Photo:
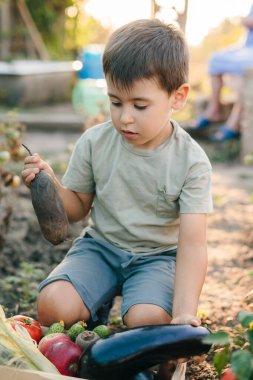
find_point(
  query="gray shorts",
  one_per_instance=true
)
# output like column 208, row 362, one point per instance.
column 99, row 272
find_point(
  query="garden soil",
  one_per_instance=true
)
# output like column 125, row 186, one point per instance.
column 26, row 257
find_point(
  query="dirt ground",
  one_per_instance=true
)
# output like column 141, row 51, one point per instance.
column 230, row 246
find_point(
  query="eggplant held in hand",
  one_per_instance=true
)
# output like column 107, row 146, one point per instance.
column 125, row 354
column 49, row 208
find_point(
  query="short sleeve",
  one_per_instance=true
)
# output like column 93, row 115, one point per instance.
column 79, row 174
column 196, row 195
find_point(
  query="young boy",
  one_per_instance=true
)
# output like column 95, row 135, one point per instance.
column 147, row 185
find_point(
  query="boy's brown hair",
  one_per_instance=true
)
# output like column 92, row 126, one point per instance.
column 147, row 49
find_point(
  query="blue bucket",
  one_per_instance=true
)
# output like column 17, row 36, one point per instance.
column 91, row 59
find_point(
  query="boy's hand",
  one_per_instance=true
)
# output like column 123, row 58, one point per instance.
column 186, row 319
column 192, row 320
column 32, row 166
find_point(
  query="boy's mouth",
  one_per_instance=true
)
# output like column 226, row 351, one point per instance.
column 129, row 134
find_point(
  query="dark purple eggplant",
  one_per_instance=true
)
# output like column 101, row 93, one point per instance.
column 48, row 207
column 129, row 352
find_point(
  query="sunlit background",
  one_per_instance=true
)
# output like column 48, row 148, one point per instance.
column 71, row 34
column 202, row 14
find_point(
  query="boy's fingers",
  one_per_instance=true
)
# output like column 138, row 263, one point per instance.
column 28, row 175
column 29, row 179
column 34, row 158
column 195, row 322
column 31, row 170
column 30, row 166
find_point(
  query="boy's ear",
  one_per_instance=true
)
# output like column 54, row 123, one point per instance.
column 180, row 96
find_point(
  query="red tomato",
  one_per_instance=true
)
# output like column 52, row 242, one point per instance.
column 228, row 375
column 31, row 325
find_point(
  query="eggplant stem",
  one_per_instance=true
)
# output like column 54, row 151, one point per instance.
column 28, row 150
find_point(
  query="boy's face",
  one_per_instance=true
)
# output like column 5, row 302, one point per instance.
column 142, row 114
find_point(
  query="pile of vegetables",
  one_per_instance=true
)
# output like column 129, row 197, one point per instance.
column 18, row 349
column 65, row 347
column 80, row 352
column 24, row 343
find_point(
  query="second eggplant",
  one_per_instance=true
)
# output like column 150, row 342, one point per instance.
column 125, row 354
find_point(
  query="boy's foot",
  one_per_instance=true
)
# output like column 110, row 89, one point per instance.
column 225, row 134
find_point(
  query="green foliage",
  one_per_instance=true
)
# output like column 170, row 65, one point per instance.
column 22, row 287
column 223, row 152
column 28, row 277
column 65, row 26
column 219, row 338
column 221, row 359
column 11, row 151
column 236, row 350
column 46, row 13
column 49, row 17
column 242, row 364
column 245, row 318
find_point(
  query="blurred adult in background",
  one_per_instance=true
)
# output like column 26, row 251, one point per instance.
column 231, row 61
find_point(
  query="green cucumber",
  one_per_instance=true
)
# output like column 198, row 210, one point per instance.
column 56, row 327
column 76, row 329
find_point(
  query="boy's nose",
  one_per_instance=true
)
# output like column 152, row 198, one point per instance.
column 126, row 116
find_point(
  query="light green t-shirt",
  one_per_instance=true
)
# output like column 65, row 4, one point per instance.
column 139, row 193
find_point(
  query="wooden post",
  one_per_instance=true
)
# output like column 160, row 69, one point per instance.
column 247, row 115
column 154, row 8
column 32, row 29
column 5, row 30
column 181, row 16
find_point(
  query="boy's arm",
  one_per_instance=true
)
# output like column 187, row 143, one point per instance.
column 190, row 268
column 76, row 205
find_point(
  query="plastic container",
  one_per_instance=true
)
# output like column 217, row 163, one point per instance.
column 91, row 59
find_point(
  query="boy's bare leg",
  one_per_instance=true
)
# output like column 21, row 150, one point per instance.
column 212, row 111
column 60, row 301
column 147, row 314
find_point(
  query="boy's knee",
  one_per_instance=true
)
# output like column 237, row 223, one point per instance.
column 146, row 314
column 60, row 301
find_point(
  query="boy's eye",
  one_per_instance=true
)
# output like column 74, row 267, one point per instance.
column 140, row 107
column 116, row 104
column 119, row 104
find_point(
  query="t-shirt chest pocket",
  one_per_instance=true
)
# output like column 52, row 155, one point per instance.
column 167, row 204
